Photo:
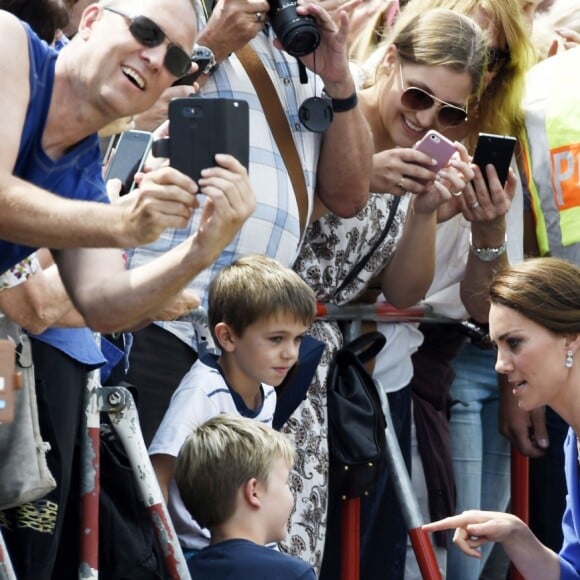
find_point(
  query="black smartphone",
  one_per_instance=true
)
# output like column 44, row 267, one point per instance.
column 497, row 150
column 128, row 157
column 201, row 127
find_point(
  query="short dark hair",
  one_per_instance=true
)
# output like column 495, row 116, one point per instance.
column 45, row 17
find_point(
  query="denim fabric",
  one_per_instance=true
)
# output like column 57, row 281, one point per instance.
column 481, row 455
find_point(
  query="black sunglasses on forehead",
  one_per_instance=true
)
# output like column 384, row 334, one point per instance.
column 149, row 34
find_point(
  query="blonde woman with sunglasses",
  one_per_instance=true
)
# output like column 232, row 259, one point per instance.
column 416, row 82
column 438, row 87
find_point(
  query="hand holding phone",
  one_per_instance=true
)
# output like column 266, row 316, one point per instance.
column 496, row 150
column 438, row 147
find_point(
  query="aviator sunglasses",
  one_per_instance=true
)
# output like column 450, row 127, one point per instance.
column 417, row 99
column 148, row 34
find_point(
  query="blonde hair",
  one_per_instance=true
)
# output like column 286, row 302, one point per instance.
column 256, row 287
column 372, row 33
column 499, row 107
column 436, row 37
column 562, row 14
column 219, row 457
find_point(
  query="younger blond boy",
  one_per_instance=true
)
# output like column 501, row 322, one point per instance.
column 232, row 474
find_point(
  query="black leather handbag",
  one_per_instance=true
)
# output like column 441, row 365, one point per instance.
column 356, row 424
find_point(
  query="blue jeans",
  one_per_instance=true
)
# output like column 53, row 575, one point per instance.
column 481, row 455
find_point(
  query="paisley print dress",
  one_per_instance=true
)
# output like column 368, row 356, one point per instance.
column 331, row 249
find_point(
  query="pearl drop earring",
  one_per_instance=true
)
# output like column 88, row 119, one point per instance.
column 569, row 360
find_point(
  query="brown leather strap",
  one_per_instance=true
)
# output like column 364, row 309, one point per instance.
column 278, row 125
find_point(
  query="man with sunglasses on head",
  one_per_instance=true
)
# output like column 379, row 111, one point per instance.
column 52, row 195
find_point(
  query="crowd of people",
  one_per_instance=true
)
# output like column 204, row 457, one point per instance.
column 364, row 217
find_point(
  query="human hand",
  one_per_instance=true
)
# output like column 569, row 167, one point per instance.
column 335, row 6
column 232, row 24
column 230, row 201
column 330, row 59
column 150, row 119
column 568, row 39
column 400, row 170
column 526, row 430
column 475, row 528
column 180, row 305
column 485, row 206
column 164, row 198
column 443, row 195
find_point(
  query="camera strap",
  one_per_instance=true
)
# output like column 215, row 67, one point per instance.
column 279, row 126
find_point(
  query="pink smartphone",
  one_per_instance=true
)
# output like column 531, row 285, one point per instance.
column 437, row 147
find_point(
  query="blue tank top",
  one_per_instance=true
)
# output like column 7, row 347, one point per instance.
column 76, row 175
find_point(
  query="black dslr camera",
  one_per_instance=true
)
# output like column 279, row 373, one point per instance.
column 299, row 35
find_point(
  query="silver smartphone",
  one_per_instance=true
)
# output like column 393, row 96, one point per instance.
column 128, row 157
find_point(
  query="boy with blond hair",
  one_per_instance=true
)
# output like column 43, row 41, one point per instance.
column 232, row 473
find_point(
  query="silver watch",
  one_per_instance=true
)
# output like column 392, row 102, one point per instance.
column 205, row 58
column 487, row 254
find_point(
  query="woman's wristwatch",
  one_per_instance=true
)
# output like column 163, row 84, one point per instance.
column 487, row 254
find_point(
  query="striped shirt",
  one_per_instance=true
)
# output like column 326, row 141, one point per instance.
column 273, row 229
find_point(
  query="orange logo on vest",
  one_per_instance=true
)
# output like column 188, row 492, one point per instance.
column 566, row 175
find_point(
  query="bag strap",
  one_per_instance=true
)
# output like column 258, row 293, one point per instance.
column 279, row 126
column 364, row 260
column 366, row 346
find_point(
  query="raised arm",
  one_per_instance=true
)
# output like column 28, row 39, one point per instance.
column 112, row 298
column 343, row 177
column 474, row 528
column 34, row 217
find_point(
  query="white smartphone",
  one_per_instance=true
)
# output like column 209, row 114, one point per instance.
column 438, row 147
column 128, row 158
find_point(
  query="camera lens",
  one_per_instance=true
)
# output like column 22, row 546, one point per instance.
column 299, row 35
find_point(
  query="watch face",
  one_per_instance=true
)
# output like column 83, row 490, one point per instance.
column 204, row 65
column 204, row 58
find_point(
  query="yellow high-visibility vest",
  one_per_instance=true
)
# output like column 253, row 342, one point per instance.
column 552, row 153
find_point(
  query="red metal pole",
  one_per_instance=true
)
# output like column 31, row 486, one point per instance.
column 520, row 494
column 424, row 553
column 350, row 540
column 90, row 481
